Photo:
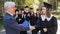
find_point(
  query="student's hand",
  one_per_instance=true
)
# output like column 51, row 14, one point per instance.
column 32, row 28
column 45, row 29
column 19, row 19
column 29, row 15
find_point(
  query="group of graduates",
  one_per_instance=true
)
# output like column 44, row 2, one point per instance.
column 26, row 14
column 41, row 19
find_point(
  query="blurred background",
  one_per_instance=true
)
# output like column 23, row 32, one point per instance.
column 34, row 4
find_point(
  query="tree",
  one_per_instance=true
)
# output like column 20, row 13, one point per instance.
column 40, row 4
column 1, row 7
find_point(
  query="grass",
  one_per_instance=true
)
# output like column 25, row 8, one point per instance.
column 1, row 23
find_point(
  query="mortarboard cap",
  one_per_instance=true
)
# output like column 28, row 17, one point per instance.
column 31, row 8
column 37, row 9
column 49, row 6
column 26, row 6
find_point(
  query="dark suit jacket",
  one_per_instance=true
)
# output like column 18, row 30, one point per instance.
column 11, row 25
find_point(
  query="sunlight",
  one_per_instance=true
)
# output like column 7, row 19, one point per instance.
column 3, row 30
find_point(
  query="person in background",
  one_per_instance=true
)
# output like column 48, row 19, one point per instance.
column 31, row 11
column 31, row 16
column 16, row 14
column 34, row 20
column 26, row 12
column 38, row 12
column 22, row 17
column 47, row 23
column 36, row 17
column 26, row 9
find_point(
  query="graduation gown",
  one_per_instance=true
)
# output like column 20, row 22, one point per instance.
column 33, row 19
column 49, row 23
column 22, row 19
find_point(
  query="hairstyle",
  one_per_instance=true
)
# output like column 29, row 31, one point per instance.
column 48, row 13
column 8, row 4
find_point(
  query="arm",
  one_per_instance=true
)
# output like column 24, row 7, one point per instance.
column 13, row 24
column 38, row 25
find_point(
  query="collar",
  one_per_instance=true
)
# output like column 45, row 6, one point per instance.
column 43, row 17
column 10, row 13
column 48, row 19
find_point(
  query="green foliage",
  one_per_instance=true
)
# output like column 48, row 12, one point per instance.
column 56, row 14
column 59, row 0
column 28, row 3
column 23, row 3
column 1, row 23
column 20, row 3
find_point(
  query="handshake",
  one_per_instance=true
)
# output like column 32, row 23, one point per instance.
column 32, row 28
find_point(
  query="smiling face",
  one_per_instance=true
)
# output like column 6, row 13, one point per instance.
column 22, row 11
column 26, row 9
column 43, row 10
column 46, row 11
column 17, row 12
column 11, row 9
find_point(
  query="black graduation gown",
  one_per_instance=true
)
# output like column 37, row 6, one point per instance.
column 51, row 25
column 20, row 17
column 33, row 23
column 20, row 22
column 17, row 18
column 33, row 20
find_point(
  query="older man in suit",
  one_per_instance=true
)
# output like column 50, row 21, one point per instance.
column 10, row 23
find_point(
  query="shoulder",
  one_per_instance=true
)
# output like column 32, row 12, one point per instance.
column 7, row 17
column 39, row 18
column 54, row 18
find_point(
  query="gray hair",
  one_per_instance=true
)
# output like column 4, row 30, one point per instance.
column 8, row 3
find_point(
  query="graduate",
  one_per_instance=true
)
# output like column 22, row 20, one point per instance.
column 36, row 17
column 16, row 15
column 31, row 16
column 31, row 12
column 38, row 12
column 21, row 16
column 47, row 23
column 26, row 10
column 27, row 13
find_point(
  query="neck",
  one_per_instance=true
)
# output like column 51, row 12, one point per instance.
column 10, row 13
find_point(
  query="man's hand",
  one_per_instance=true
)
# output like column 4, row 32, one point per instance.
column 45, row 29
column 32, row 28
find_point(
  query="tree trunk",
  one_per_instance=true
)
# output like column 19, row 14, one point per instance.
column 56, row 4
column 40, row 4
